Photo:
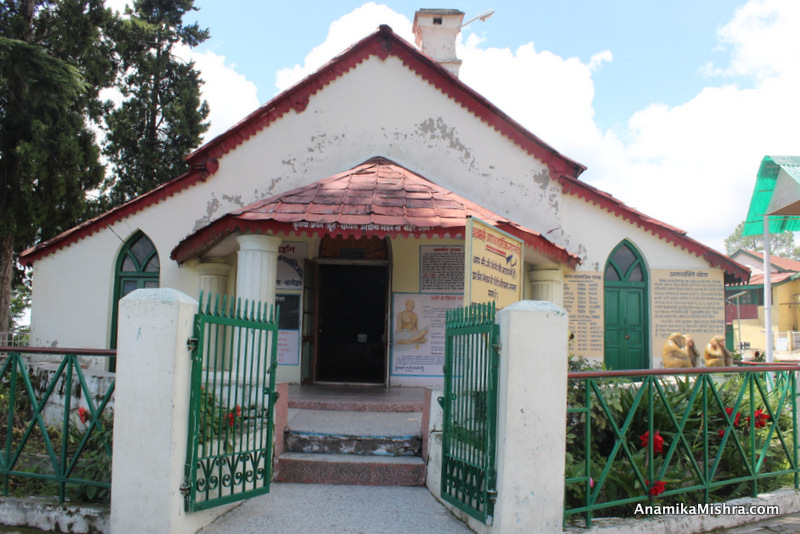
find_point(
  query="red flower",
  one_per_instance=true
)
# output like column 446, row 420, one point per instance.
column 721, row 432
column 658, row 441
column 231, row 418
column 83, row 414
column 729, row 411
column 238, row 411
column 761, row 419
column 657, row 488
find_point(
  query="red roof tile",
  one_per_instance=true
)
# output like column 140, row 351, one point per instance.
column 394, row 206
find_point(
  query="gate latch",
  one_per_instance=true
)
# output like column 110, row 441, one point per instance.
column 185, row 488
column 191, row 343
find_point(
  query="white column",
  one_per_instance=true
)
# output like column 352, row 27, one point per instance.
column 531, row 425
column 547, row 285
column 258, row 268
column 767, row 292
column 213, row 274
column 151, row 415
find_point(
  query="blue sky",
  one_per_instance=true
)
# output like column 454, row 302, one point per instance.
column 670, row 105
column 658, row 47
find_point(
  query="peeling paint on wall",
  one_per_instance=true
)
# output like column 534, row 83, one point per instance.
column 438, row 129
column 542, row 179
column 290, row 163
column 234, row 199
column 212, row 206
column 272, row 185
column 554, row 199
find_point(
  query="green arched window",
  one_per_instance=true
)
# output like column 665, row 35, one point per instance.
column 137, row 267
column 625, row 265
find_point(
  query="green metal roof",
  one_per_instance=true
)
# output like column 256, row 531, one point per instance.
column 766, row 181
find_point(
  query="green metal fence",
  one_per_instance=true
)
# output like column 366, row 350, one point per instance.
column 234, row 357
column 470, row 410
column 69, row 457
column 678, row 437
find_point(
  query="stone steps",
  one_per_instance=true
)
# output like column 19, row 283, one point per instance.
column 381, row 448
column 350, row 469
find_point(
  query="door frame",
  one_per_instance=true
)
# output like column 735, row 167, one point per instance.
column 311, row 339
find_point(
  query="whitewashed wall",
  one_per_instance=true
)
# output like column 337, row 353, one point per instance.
column 379, row 108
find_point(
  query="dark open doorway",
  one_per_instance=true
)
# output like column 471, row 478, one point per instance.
column 351, row 323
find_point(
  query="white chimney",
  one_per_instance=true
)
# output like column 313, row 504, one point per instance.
column 435, row 32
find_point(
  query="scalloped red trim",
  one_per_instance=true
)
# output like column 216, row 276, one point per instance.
column 228, row 224
column 672, row 235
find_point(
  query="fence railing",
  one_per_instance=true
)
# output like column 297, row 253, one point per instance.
column 71, row 459
column 13, row 339
column 678, row 437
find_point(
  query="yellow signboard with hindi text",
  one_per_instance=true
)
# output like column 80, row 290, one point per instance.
column 493, row 265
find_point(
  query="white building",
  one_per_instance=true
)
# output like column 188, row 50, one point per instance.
column 347, row 196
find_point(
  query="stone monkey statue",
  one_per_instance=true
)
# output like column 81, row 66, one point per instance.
column 717, row 355
column 679, row 351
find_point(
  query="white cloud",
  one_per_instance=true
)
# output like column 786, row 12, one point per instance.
column 599, row 58
column 694, row 165
column 343, row 33
column 230, row 96
column 118, row 5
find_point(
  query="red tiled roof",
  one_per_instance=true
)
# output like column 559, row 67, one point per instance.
column 776, row 278
column 784, row 264
column 376, row 198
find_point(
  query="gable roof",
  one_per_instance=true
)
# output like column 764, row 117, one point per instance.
column 203, row 162
column 779, row 264
column 376, row 198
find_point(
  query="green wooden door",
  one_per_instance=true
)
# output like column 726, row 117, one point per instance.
column 625, row 328
column 626, row 323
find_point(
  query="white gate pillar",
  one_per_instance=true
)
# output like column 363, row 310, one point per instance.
column 151, row 415
column 258, row 268
column 531, row 423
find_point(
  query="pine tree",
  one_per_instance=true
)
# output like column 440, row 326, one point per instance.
column 162, row 116
column 53, row 62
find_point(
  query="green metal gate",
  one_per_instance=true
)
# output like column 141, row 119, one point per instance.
column 469, row 441
column 234, row 356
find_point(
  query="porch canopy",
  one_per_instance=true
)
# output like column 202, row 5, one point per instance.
column 376, row 198
column 774, row 208
column 776, row 195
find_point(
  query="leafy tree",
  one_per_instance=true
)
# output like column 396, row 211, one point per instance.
column 780, row 244
column 53, row 62
column 162, row 116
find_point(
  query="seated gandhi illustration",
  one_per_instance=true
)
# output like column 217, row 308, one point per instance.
column 408, row 332
column 717, row 355
column 679, row 351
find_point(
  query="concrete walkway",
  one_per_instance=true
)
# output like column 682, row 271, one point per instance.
column 332, row 509
column 786, row 524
